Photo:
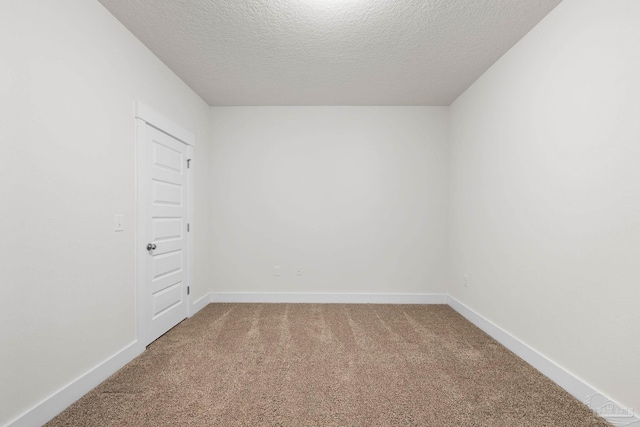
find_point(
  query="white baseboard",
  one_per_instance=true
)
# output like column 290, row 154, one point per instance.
column 199, row 304
column 610, row 410
column 327, row 298
column 60, row 400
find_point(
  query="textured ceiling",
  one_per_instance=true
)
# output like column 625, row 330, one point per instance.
column 329, row 52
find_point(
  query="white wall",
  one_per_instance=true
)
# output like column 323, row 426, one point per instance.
column 356, row 196
column 69, row 77
column 543, row 187
column 545, row 193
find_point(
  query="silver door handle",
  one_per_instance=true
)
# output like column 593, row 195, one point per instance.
column 151, row 246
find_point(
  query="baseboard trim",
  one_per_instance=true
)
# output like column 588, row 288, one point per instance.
column 584, row 392
column 60, row 400
column 200, row 304
column 327, row 298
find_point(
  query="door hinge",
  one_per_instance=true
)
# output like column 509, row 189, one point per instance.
column 188, row 290
column 188, row 163
column 188, row 227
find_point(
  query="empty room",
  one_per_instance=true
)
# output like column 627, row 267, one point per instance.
column 320, row 213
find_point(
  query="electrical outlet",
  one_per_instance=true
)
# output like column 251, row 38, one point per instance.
column 298, row 271
column 119, row 223
column 276, row 270
column 466, row 281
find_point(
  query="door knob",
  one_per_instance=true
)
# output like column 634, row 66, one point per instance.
column 151, row 246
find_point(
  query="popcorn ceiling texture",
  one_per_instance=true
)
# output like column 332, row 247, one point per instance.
column 329, row 52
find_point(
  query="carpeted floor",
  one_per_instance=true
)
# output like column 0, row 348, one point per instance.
column 327, row 365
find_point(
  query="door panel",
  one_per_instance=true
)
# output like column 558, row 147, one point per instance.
column 166, row 264
column 165, row 229
column 167, row 298
column 168, row 158
column 167, row 194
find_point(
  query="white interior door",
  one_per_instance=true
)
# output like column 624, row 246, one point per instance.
column 165, row 226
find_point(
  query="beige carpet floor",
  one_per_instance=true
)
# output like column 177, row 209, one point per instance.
column 327, row 365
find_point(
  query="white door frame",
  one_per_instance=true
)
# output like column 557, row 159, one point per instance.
column 146, row 116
